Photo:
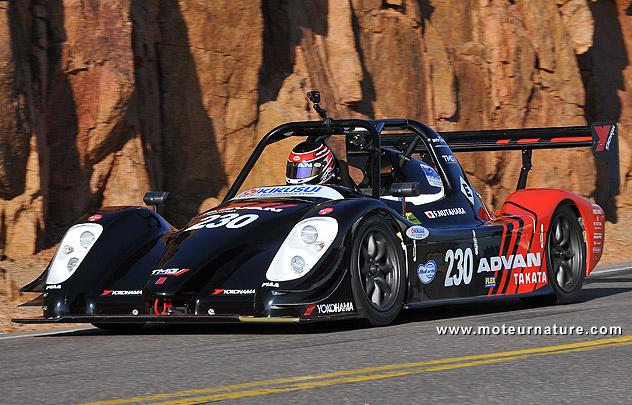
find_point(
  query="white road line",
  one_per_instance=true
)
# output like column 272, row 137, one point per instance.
column 613, row 268
column 48, row 332
column 609, row 271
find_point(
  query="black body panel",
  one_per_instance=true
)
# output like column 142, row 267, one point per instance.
column 216, row 268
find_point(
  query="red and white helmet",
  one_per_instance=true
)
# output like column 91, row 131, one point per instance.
column 310, row 162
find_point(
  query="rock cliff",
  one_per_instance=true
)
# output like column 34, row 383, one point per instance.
column 101, row 101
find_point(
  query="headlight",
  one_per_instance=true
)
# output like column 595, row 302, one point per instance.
column 309, row 234
column 86, row 239
column 298, row 264
column 303, row 247
column 73, row 248
column 72, row 265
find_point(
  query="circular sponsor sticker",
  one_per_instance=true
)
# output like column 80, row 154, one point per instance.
column 426, row 272
column 325, row 211
column 95, row 217
column 417, row 232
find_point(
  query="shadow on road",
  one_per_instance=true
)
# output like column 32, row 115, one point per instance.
column 592, row 290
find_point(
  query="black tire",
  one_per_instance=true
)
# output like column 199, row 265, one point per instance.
column 119, row 327
column 566, row 255
column 378, row 277
column 565, row 259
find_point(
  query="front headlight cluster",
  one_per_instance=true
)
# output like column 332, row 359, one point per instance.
column 303, row 247
column 72, row 250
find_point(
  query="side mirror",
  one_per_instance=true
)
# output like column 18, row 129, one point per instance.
column 156, row 198
column 408, row 189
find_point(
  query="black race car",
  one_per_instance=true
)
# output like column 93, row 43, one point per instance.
column 407, row 230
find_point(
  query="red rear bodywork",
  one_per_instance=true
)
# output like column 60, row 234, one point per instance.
column 539, row 205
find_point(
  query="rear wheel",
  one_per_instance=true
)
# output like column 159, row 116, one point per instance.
column 565, row 258
column 566, row 255
column 378, row 276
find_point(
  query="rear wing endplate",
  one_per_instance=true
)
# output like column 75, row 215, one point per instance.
column 602, row 137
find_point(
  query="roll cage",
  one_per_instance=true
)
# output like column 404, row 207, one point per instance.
column 365, row 140
column 364, row 147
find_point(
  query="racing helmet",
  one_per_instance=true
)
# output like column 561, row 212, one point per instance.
column 310, row 162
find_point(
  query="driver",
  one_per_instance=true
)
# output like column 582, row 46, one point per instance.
column 311, row 163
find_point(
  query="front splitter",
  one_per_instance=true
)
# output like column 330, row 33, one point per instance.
column 195, row 319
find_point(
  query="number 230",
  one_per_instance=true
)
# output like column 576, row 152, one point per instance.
column 464, row 266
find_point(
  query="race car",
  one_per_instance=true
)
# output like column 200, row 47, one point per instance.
column 403, row 228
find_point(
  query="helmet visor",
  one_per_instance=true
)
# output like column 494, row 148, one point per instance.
column 302, row 170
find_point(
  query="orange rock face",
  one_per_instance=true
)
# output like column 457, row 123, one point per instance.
column 101, row 101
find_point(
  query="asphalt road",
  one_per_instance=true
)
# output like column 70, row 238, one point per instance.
column 408, row 362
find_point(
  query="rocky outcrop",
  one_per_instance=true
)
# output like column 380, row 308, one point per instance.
column 101, row 101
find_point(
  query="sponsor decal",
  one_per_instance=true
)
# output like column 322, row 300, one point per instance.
column 309, row 309
column 222, row 291
column 335, row 307
column 597, row 223
column 467, row 191
column 426, row 272
column 417, row 232
column 510, row 262
column 490, row 281
column 211, row 311
column 412, row 218
column 291, row 191
column 596, row 250
column 270, row 207
column 95, row 217
column 53, row 287
column 447, row 212
column 449, row 158
column 329, row 308
column 475, row 242
column 530, row 277
column 161, row 280
column 168, row 272
column 431, row 175
column 230, row 221
column 270, row 284
column 605, row 134
column 280, row 189
column 325, row 211
column 464, row 267
column 122, row 292
column 296, row 158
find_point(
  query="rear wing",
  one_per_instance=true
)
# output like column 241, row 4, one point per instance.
column 602, row 137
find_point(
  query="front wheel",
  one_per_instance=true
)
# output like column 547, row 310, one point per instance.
column 378, row 277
